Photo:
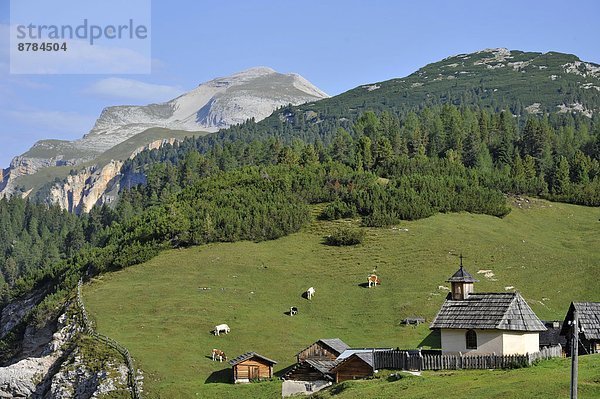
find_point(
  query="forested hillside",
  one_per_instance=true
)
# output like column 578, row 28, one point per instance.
column 383, row 168
column 380, row 153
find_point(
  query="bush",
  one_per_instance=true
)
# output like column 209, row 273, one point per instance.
column 338, row 210
column 345, row 236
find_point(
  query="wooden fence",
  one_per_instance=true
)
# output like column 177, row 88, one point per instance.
column 132, row 381
column 415, row 361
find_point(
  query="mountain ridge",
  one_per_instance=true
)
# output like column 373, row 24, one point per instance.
column 221, row 102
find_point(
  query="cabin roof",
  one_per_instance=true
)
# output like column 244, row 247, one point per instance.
column 250, row 355
column 462, row 276
column 349, row 352
column 322, row 366
column 588, row 314
column 501, row 311
column 336, row 344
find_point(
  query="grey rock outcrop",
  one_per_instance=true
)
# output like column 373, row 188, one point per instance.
column 219, row 103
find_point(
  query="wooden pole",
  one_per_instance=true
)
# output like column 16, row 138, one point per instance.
column 574, row 349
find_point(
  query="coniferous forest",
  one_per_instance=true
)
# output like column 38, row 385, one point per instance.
column 256, row 181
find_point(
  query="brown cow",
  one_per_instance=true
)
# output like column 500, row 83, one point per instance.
column 373, row 280
column 218, row 354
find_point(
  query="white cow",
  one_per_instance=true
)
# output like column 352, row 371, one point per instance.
column 310, row 292
column 222, row 327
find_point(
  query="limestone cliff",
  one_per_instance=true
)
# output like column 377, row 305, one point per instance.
column 94, row 185
column 219, row 103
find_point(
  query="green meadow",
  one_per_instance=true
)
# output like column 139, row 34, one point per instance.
column 163, row 311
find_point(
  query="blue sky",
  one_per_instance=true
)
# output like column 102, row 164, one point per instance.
column 337, row 45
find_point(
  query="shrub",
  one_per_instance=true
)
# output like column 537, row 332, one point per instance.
column 338, row 210
column 345, row 236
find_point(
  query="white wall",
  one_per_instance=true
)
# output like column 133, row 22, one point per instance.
column 488, row 341
column 520, row 342
column 491, row 341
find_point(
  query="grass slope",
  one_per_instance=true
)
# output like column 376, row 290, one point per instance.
column 159, row 311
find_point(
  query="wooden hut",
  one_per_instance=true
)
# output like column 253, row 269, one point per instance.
column 251, row 367
column 588, row 314
column 359, row 365
column 307, row 377
column 323, row 349
column 311, row 370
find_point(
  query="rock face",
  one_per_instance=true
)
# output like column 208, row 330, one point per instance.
column 219, row 103
column 88, row 187
column 14, row 312
column 97, row 185
column 76, row 379
column 51, row 366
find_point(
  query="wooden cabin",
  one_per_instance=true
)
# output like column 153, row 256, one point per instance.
column 482, row 323
column 251, row 367
column 308, row 377
column 359, row 365
column 311, row 370
column 588, row 314
column 323, row 349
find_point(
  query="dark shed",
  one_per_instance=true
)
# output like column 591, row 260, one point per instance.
column 589, row 323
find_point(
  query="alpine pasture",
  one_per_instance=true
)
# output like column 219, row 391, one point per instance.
column 164, row 311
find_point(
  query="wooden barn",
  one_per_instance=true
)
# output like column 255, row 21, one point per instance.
column 323, row 349
column 308, row 377
column 312, row 370
column 251, row 367
column 481, row 323
column 588, row 314
column 359, row 365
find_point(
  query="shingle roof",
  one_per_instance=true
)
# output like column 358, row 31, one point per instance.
column 250, row 355
column 324, row 366
column 588, row 314
column 461, row 276
column 333, row 343
column 502, row 311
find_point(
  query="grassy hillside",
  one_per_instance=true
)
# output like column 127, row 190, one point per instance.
column 161, row 312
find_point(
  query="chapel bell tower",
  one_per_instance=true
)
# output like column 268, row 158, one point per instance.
column 462, row 283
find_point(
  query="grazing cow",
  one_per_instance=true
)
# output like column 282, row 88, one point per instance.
column 373, row 280
column 293, row 311
column 222, row 327
column 218, row 354
column 310, row 292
